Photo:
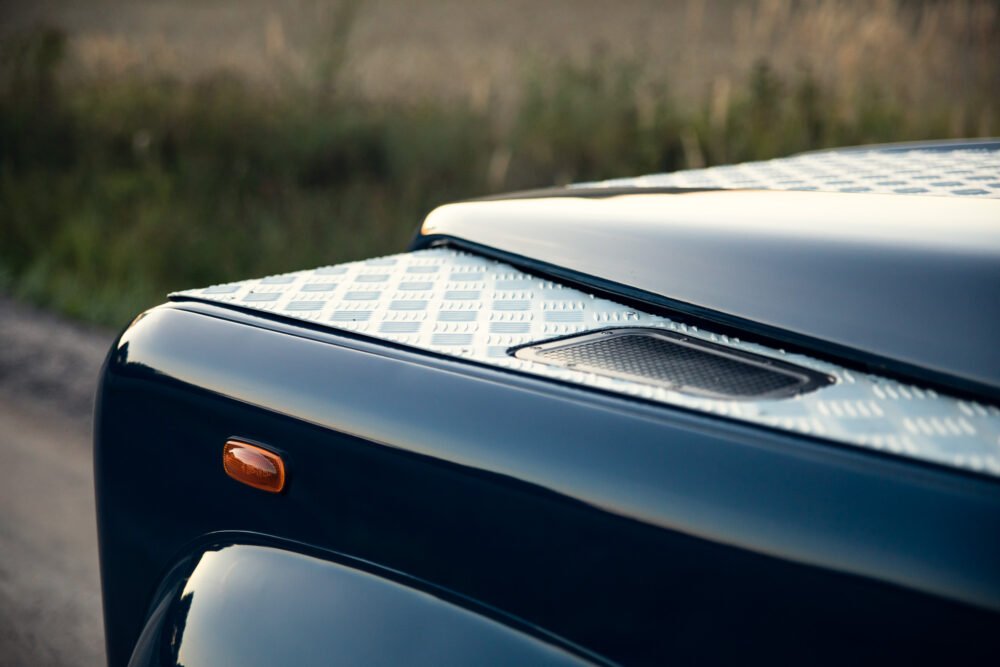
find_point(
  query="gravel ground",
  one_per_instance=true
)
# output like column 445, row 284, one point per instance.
column 50, row 361
column 50, row 606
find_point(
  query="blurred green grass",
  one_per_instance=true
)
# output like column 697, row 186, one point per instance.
column 114, row 192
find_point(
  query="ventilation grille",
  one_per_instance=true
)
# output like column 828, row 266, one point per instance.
column 680, row 363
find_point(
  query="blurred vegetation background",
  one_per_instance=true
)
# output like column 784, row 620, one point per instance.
column 148, row 147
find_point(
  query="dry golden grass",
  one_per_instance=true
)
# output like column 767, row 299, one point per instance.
column 930, row 52
column 145, row 137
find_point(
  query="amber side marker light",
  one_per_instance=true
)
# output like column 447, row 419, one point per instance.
column 254, row 466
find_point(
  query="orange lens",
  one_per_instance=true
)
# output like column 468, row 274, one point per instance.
column 254, row 466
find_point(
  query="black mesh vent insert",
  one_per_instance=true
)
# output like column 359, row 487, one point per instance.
column 678, row 362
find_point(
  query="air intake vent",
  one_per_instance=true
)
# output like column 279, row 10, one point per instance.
column 677, row 362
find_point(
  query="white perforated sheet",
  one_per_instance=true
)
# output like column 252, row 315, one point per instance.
column 965, row 172
column 475, row 308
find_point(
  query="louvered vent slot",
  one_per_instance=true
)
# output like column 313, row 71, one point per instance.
column 678, row 362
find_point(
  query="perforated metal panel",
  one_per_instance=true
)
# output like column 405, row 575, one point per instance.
column 687, row 365
column 470, row 307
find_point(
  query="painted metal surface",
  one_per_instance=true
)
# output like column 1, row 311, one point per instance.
column 910, row 281
column 478, row 309
column 647, row 534
column 252, row 605
column 631, row 531
column 967, row 169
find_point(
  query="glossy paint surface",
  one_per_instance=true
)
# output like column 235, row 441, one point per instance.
column 907, row 283
column 252, row 605
column 642, row 534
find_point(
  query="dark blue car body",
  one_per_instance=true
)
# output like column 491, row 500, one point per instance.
column 443, row 511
